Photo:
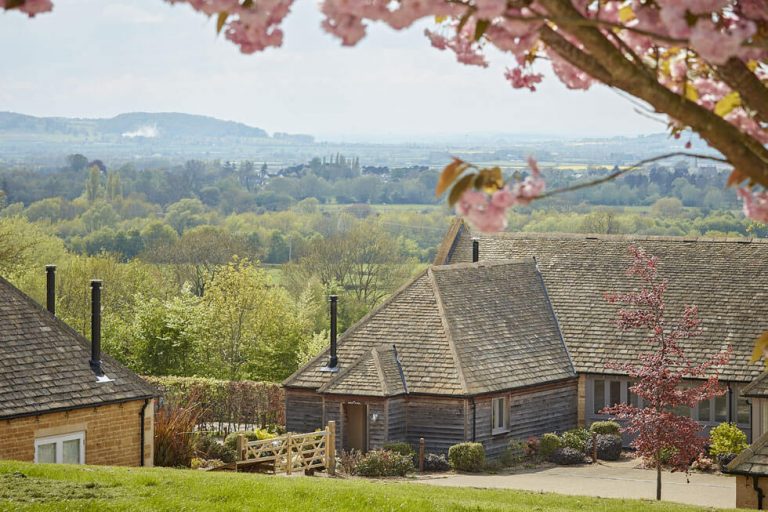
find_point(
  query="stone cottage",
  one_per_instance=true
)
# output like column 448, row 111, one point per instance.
column 61, row 399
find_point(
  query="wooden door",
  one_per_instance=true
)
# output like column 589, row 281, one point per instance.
column 357, row 427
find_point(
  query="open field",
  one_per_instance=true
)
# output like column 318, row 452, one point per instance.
column 26, row 486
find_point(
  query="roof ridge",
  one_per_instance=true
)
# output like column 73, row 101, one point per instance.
column 556, row 235
column 554, row 315
column 352, row 328
column 450, row 239
column 483, row 263
column 447, row 329
column 380, row 370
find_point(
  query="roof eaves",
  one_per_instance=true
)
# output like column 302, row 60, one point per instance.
column 757, row 382
column 447, row 330
column 744, row 457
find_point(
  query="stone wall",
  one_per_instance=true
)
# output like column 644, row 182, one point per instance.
column 112, row 433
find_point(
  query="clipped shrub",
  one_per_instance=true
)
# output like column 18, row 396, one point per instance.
column 576, row 439
column 402, row 448
column 726, row 438
column 608, row 447
column 567, row 456
column 436, row 463
column 606, row 428
column 250, row 435
column 378, row 463
column 208, row 448
column 514, row 453
column 467, row 457
column 548, row 444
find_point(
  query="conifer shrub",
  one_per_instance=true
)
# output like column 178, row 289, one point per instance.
column 468, row 457
column 605, row 428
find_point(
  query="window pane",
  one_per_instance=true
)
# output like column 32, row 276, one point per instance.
column 615, row 392
column 721, row 408
column 70, row 452
column 46, row 453
column 599, row 395
column 705, row 406
column 742, row 411
column 633, row 399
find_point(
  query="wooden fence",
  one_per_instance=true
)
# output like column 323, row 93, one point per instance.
column 291, row 452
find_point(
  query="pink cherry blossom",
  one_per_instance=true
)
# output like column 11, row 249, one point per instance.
column 755, row 204
column 717, row 45
column 523, row 79
column 32, row 7
column 476, row 207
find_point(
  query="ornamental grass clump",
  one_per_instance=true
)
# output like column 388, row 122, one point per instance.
column 468, row 457
column 175, row 436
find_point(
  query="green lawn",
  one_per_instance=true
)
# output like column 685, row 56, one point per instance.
column 26, row 486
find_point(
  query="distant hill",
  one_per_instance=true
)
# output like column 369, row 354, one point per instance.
column 164, row 125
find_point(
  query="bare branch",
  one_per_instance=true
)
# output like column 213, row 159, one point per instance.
column 632, row 167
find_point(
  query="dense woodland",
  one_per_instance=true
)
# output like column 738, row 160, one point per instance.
column 221, row 269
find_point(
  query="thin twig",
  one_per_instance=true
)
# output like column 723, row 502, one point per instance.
column 632, row 167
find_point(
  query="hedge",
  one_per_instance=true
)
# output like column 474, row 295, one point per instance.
column 227, row 405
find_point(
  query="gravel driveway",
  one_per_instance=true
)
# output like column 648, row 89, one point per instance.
column 621, row 479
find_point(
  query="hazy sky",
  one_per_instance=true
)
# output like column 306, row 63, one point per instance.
column 98, row 58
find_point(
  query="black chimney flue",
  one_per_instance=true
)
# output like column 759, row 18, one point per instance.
column 50, row 288
column 475, row 250
column 96, row 326
column 333, row 360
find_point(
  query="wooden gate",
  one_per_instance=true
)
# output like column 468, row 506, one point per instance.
column 291, row 452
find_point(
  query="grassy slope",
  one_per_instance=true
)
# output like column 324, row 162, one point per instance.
column 62, row 488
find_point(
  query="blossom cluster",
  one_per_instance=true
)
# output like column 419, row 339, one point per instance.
column 29, row 7
column 488, row 211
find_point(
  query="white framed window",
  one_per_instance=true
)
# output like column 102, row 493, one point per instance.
column 64, row 449
column 500, row 415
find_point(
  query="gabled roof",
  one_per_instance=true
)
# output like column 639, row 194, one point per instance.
column 726, row 278
column 44, row 364
column 458, row 330
column 758, row 388
column 753, row 460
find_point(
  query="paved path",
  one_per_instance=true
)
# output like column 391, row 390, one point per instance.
column 621, row 479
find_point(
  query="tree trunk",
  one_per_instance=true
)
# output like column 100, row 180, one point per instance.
column 658, row 477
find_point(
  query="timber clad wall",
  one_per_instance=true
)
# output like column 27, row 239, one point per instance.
column 303, row 411
column 439, row 421
column 396, row 419
column 112, row 433
column 377, row 428
column 533, row 412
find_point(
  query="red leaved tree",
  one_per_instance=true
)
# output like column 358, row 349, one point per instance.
column 662, row 435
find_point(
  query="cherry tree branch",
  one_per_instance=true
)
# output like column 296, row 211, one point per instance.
column 739, row 78
column 621, row 172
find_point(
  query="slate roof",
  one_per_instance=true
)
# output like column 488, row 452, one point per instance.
column 758, row 388
column 458, row 330
column 753, row 460
column 726, row 279
column 44, row 364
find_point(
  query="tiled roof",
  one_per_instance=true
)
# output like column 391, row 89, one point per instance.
column 726, row 279
column 758, row 388
column 511, row 341
column 753, row 460
column 44, row 364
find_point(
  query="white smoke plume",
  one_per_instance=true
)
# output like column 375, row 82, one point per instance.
column 148, row 131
